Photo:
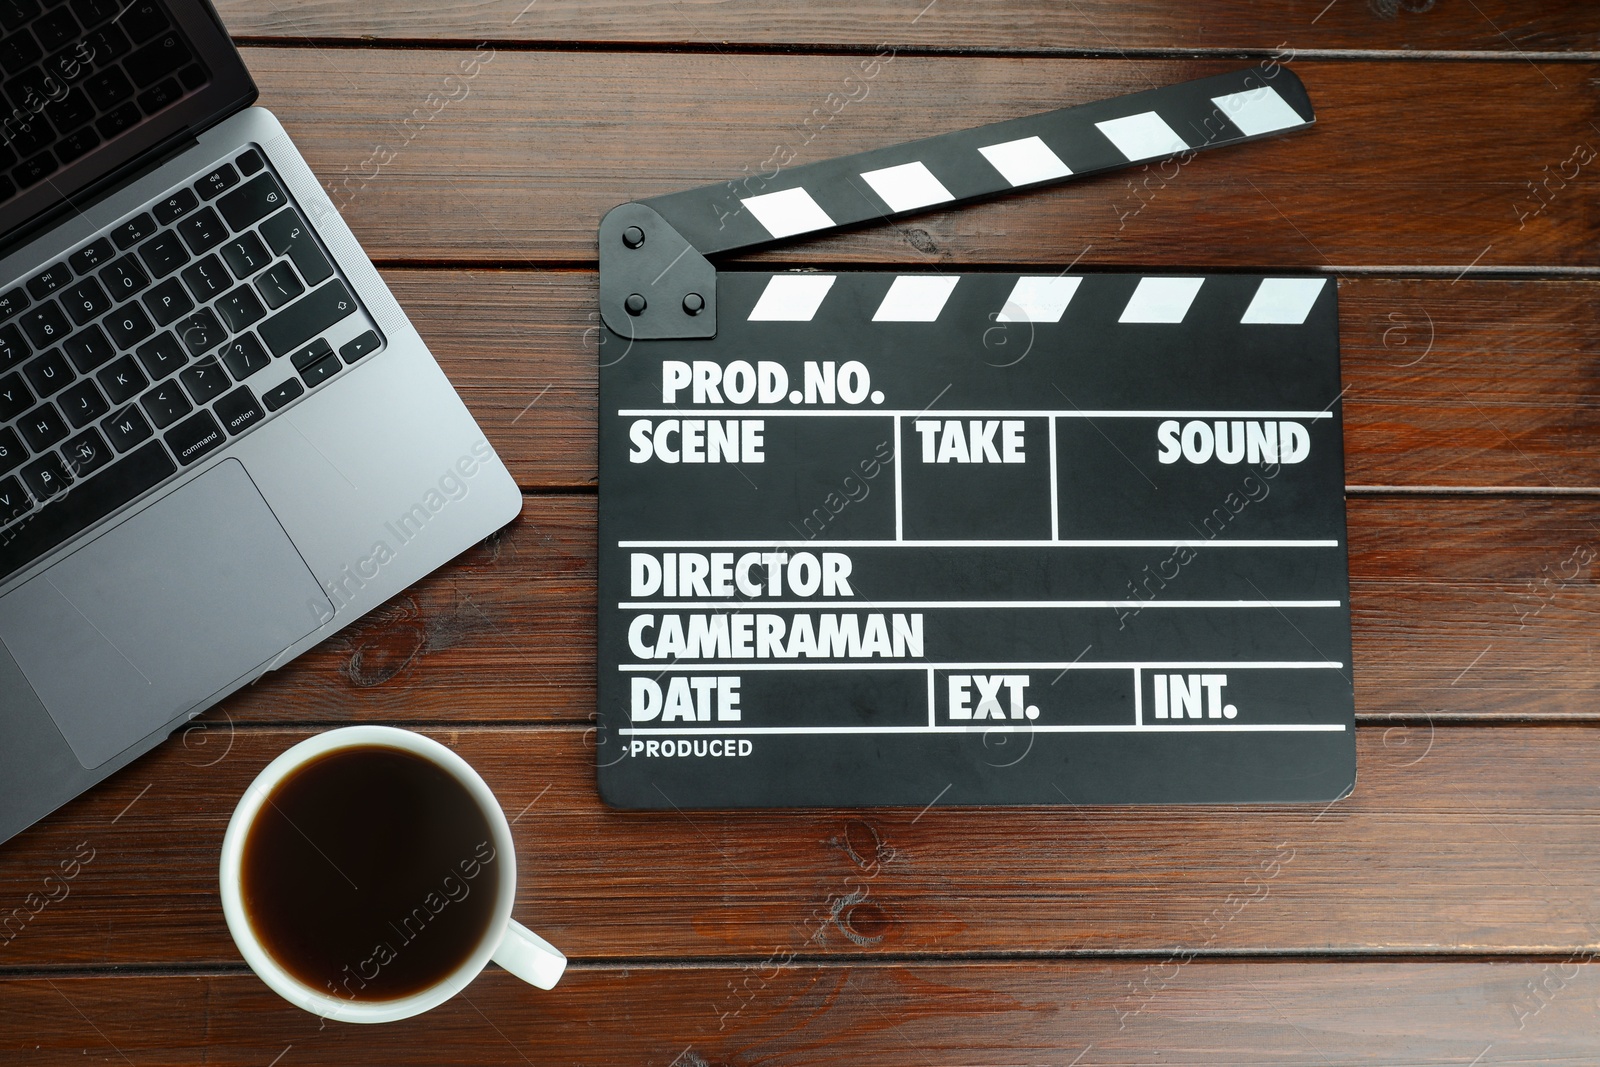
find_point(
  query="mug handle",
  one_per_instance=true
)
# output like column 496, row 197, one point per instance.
column 529, row 956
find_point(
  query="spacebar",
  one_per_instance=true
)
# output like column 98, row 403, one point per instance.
column 86, row 504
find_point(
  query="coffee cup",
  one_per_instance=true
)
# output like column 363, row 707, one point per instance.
column 413, row 821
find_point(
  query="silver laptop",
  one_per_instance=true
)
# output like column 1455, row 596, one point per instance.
column 220, row 438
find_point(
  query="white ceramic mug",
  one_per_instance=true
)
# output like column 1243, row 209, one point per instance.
column 507, row 942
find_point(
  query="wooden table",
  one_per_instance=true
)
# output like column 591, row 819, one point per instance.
column 1446, row 913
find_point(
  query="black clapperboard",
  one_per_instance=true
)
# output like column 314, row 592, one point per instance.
column 895, row 539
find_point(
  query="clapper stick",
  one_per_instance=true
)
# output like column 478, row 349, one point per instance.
column 656, row 283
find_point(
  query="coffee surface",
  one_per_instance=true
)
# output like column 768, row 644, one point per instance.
column 370, row 874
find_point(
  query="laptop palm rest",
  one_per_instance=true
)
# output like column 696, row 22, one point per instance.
column 171, row 606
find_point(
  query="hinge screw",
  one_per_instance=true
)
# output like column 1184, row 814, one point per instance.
column 633, row 237
column 694, row 303
column 635, row 304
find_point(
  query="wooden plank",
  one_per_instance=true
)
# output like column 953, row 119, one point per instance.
column 1469, row 840
column 1463, row 608
column 1471, row 383
column 537, row 146
column 1014, row 25
column 1284, row 1013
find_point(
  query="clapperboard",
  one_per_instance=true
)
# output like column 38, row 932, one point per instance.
column 892, row 539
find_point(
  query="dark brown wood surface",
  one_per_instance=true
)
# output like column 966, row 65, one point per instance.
column 1397, row 173
column 1448, row 912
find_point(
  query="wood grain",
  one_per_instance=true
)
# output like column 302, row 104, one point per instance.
column 1284, row 1013
column 521, row 167
column 1103, row 26
column 1457, row 840
column 1464, row 609
column 1470, row 383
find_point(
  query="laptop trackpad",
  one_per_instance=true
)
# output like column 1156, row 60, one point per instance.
column 162, row 611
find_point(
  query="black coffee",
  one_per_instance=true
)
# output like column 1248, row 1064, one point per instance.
column 370, row 874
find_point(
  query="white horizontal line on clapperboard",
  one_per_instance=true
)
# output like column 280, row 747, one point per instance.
column 1156, row 543
column 1087, row 728
column 903, row 605
column 878, row 413
column 1074, row 665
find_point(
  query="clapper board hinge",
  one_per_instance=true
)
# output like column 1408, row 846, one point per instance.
column 656, row 284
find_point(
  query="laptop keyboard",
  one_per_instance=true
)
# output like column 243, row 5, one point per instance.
column 183, row 326
column 79, row 72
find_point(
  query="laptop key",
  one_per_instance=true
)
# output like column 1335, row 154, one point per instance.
column 357, row 347
column 12, row 303
column 83, row 403
column 163, row 254
column 14, row 397
column 249, row 162
column 11, row 451
column 86, row 301
column 293, row 326
column 244, row 356
column 14, row 503
column 18, row 50
column 240, row 308
column 86, row 453
column 46, row 476
column 107, row 43
column 280, row 395
column 246, row 256
column 123, row 380
column 204, row 380
column 45, row 325
column 202, row 231
column 94, row 254
column 68, row 113
column 88, row 349
column 165, row 404
column 93, row 12
column 108, row 88
column 120, row 121
column 279, row 285
column 124, row 278
column 162, row 356
column 128, row 325
column 206, row 279
column 321, row 371
column 194, row 437
column 175, row 206
column 156, row 60
column 13, row 349
column 144, row 20
column 217, row 182
column 167, row 301
column 135, row 229
column 37, row 168
column 94, row 499
column 55, row 29
column 200, row 332
column 42, row 427
column 159, row 95
column 255, row 199
column 310, row 354
column 48, row 373
column 239, row 410
column 287, row 235
column 126, row 428
column 49, row 280
column 15, row 14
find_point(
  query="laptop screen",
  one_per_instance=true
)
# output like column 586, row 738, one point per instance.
column 89, row 86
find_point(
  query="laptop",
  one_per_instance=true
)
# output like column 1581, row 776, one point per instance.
column 220, row 438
